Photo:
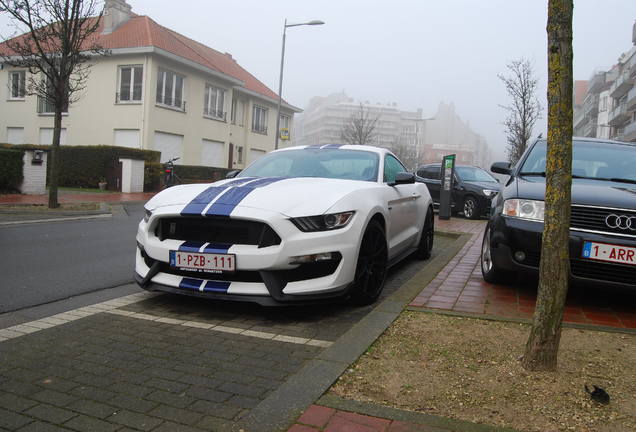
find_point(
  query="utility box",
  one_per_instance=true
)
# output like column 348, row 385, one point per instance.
column 34, row 171
column 132, row 175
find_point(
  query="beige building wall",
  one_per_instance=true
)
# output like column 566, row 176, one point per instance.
column 97, row 117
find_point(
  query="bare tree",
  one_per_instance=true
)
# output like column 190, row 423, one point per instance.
column 54, row 41
column 524, row 109
column 359, row 128
column 543, row 344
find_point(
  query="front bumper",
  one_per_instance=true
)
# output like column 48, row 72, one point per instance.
column 263, row 274
column 511, row 235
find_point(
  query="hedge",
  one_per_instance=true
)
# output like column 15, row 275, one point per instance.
column 11, row 169
column 195, row 173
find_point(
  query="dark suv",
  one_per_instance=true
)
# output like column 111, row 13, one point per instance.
column 473, row 191
column 603, row 214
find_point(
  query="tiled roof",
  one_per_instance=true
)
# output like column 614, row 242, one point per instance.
column 143, row 31
column 580, row 91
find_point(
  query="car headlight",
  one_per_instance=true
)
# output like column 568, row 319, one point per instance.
column 489, row 192
column 324, row 222
column 147, row 214
column 524, row 209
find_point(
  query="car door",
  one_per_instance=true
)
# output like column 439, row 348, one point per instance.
column 431, row 177
column 402, row 226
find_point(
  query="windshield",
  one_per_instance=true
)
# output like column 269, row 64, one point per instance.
column 474, row 174
column 315, row 162
column 596, row 160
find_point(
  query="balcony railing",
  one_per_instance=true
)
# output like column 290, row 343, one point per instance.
column 618, row 115
column 174, row 103
column 259, row 129
column 216, row 115
column 590, row 130
column 622, row 84
column 597, row 83
column 630, row 104
column 590, row 105
column 629, row 132
column 46, row 107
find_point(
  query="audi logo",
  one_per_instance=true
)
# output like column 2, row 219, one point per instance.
column 622, row 222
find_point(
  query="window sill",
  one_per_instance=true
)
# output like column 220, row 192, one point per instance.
column 171, row 108
column 129, row 102
column 64, row 114
column 16, row 100
column 219, row 119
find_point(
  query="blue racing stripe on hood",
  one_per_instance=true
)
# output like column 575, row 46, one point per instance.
column 191, row 284
column 216, row 286
column 228, row 202
column 201, row 201
column 191, row 246
column 217, row 248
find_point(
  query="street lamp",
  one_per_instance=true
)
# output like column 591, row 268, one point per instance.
column 280, row 80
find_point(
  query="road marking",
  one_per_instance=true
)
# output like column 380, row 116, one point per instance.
column 71, row 218
column 112, row 307
column 224, row 329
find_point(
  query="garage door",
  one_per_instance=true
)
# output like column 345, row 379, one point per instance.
column 127, row 138
column 213, row 153
column 170, row 146
column 46, row 136
column 15, row 135
column 255, row 154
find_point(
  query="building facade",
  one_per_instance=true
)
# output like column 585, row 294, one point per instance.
column 412, row 137
column 156, row 90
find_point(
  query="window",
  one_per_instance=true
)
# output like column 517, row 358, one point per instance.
column 430, row 172
column 214, row 101
column 238, row 111
column 259, row 119
column 170, row 89
column 47, row 106
column 285, row 122
column 17, row 81
column 130, row 83
column 392, row 166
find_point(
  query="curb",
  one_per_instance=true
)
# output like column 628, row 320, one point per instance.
column 444, row 424
column 61, row 219
column 285, row 404
column 579, row 326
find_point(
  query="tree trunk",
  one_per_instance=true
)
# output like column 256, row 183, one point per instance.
column 55, row 157
column 543, row 344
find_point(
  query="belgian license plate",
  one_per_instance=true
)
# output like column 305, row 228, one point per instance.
column 609, row 252
column 204, row 262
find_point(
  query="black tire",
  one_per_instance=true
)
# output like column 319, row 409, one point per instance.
column 489, row 269
column 426, row 241
column 371, row 268
column 471, row 208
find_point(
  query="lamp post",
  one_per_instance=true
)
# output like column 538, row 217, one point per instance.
column 280, row 80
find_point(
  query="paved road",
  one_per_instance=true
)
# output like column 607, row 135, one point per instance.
column 44, row 262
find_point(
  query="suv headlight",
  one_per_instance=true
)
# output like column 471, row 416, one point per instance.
column 524, row 209
column 489, row 192
column 147, row 214
column 324, row 222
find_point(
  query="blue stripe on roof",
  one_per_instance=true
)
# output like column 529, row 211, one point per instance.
column 216, row 286
column 191, row 246
column 201, row 201
column 217, row 248
column 191, row 284
column 228, row 202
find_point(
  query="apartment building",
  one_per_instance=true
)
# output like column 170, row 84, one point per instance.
column 608, row 107
column 157, row 90
column 414, row 138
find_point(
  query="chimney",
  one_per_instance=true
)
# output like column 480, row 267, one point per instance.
column 116, row 13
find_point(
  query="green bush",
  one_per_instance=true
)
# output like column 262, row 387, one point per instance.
column 11, row 169
column 195, row 173
column 153, row 172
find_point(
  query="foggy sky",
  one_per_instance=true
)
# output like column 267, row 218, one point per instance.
column 414, row 53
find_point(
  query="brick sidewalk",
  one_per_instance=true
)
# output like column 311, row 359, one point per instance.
column 459, row 287
column 75, row 197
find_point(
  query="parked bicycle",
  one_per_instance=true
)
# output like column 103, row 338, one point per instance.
column 170, row 177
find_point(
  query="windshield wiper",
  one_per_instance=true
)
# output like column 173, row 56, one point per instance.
column 533, row 173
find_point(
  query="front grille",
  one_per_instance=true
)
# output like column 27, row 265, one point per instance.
column 604, row 271
column 593, row 219
column 213, row 229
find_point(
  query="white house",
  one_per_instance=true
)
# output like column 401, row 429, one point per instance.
column 157, row 90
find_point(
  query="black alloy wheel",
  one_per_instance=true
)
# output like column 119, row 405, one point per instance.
column 371, row 268
column 471, row 208
column 426, row 241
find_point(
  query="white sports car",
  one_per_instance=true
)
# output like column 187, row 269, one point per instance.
column 299, row 225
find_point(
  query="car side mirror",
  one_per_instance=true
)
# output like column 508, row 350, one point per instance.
column 232, row 174
column 501, row 168
column 403, row 178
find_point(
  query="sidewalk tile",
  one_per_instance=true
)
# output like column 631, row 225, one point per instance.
column 317, row 415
